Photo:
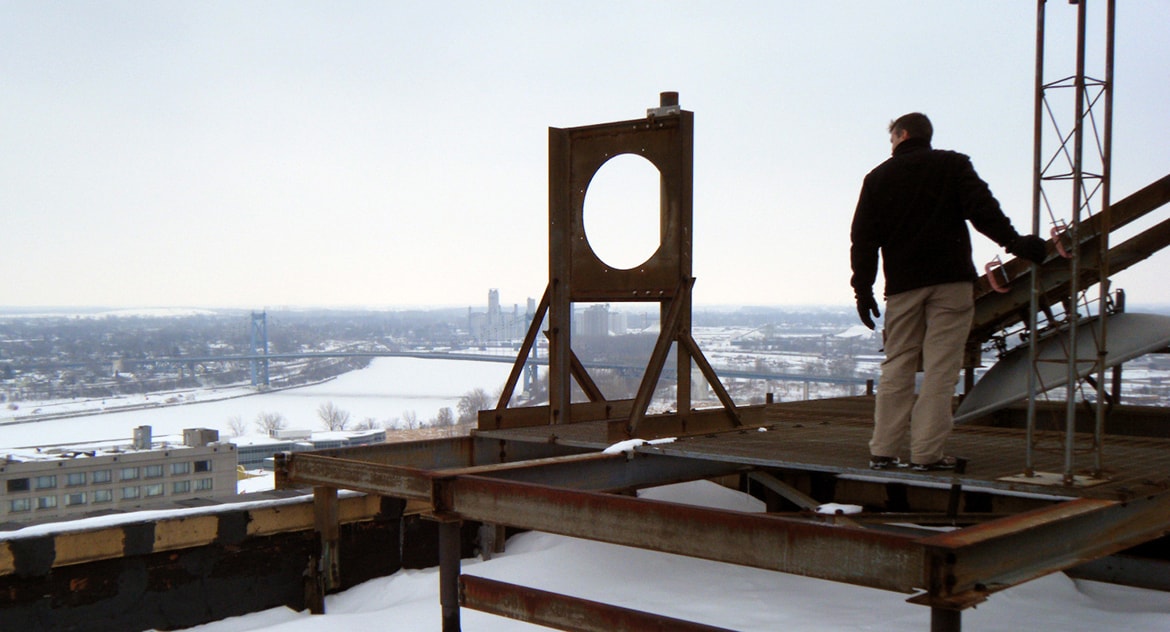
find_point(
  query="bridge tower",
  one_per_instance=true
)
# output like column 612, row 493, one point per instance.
column 259, row 347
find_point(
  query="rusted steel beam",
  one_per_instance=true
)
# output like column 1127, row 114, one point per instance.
column 327, row 523
column 581, row 374
column 449, row 565
column 697, row 422
column 671, row 323
column 385, row 480
column 522, row 417
column 964, row 566
column 503, row 469
column 855, row 556
column 426, row 453
column 452, row 452
column 995, row 311
column 593, row 471
column 688, row 343
column 563, row 612
column 1122, row 212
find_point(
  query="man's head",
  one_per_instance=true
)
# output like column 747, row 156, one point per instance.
column 913, row 125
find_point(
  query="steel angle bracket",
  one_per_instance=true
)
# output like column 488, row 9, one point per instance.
column 964, row 567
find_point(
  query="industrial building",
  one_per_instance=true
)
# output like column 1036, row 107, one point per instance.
column 255, row 452
column 78, row 479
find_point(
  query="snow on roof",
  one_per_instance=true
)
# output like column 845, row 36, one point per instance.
column 857, row 331
column 86, row 449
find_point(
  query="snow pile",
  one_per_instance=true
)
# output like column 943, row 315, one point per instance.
column 836, row 509
column 629, row 445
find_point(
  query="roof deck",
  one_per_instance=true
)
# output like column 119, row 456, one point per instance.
column 1005, row 528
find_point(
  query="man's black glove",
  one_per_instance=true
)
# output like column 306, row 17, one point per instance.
column 1029, row 247
column 866, row 305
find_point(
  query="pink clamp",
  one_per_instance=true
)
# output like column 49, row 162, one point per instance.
column 1058, row 232
column 993, row 266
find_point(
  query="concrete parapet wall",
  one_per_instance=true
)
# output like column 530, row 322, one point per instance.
column 186, row 570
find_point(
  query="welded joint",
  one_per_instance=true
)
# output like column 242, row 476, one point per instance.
column 442, row 500
column 940, row 583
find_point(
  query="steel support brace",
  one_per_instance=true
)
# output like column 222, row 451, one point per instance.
column 965, row 566
column 945, row 620
column 592, row 471
column 449, row 554
column 429, row 454
column 856, row 556
column 671, row 321
column 563, row 612
column 324, row 570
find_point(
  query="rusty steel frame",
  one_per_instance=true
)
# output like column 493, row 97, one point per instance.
column 966, row 565
column 595, row 471
column 558, row 489
column 765, row 541
column 953, row 571
column 665, row 138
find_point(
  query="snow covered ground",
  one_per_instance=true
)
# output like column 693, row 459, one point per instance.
column 722, row 595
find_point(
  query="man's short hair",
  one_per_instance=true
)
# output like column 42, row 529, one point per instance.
column 916, row 125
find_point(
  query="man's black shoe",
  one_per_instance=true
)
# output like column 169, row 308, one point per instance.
column 945, row 463
column 885, row 462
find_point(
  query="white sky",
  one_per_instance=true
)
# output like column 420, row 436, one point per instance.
column 267, row 154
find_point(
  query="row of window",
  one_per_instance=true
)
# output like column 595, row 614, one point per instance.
column 107, row 495
column 129, row 473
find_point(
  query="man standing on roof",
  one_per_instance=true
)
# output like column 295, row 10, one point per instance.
column 913, row 209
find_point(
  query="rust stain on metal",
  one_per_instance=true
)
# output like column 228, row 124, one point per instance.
column 564, row 612
column 859, row 556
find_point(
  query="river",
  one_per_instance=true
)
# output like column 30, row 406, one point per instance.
column 384, row 391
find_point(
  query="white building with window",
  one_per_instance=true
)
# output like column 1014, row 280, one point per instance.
column 56, row 481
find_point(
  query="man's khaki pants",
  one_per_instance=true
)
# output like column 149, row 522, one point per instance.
column 934, row 321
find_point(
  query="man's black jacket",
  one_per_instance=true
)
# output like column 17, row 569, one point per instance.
column 914, row 208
